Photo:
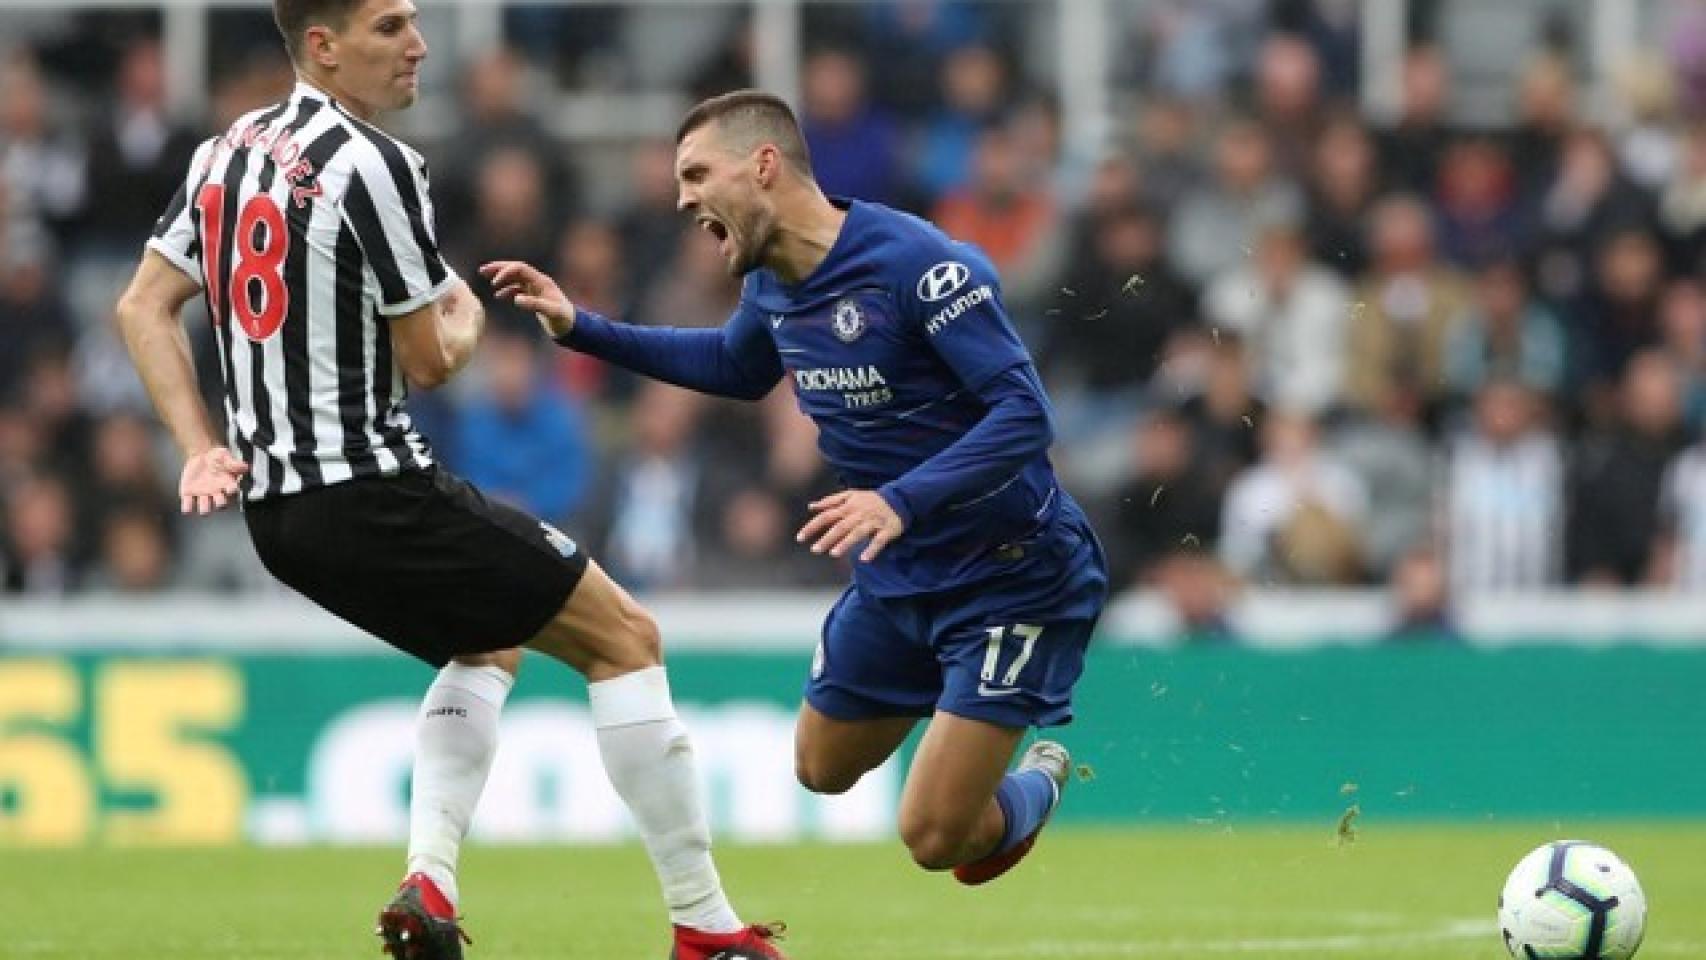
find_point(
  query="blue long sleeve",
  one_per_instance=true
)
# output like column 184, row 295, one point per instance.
column 1017, row 427
column 734, row 360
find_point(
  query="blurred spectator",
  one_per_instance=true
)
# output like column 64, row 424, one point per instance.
column 43, row 169
column 649, row 493
column 1617, row 480
column 1012, row 218
column 1293, row 518
column 1038, row 139
column 753, row 547
column 1647, row 143
column 974, row 88
column 758, row 477
column 1407, row 309
column 1389, row 452
column 793, row 465
column 1619, row 316
column 39, row 538
column 1546, row 112
column 855, row 147
column 1479, row 219
column 1215, row 224
column 33, row 318
column 138, row 155
column 1115, row 309
column 1410, row 150
column 1682, row 322
column 1200, row 592
column 695, row 291
column 1288, row 100
column 1508, row 334
column 134, row 554
column 1166, row 148
column 51, row 404
column 591, row 265
column 1169, row 504
column 1226, row 416
column 1679, row 554
column 1116, row 182
column 591, row 268
column 21, row 448
column 522, row 440
column 1502, row 514
column 1579, row 207
column 512, row 220
column 1682, row 204
column 1192, row 49
column 1422, row 601
column 497, row 118
column 1291, row 314
column 125, row 475
column 1343, row 184
column 1332, row 29
column 649, row 225
column 106, row 379
column 910, row 38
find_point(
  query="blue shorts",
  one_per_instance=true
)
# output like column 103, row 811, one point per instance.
column 1006, row 651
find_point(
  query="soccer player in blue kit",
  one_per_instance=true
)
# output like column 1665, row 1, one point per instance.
column 977, row 580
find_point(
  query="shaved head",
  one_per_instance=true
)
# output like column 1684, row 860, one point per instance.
column 745, row 120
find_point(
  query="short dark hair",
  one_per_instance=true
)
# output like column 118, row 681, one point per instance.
column 750, row 118
column 295, row 16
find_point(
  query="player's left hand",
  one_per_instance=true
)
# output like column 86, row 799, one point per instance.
column 842, row 520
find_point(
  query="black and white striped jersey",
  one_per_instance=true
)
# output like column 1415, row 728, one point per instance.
column 1504, row 514
column 307, row 229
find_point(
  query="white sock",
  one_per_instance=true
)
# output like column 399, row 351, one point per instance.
column 649, row 759
column 456, row 737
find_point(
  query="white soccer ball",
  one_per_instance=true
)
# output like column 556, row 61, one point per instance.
column 1572, row 901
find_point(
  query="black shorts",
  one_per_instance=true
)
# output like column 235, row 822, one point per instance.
column 421, row 560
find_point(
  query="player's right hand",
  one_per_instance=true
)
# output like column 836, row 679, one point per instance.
column 209, row 480
column 530, row 289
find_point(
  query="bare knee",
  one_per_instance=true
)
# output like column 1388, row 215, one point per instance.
column 631, row 641
column 642, row 640
column 824, row 778
column 508, row 660
column 934, row 844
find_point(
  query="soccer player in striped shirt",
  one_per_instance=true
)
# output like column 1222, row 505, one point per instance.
column 311, row 235
column 977, row 580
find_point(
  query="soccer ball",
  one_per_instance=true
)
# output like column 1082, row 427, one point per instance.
column 1572, row 901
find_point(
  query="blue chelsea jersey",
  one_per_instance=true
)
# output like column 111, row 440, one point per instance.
column 887, row 345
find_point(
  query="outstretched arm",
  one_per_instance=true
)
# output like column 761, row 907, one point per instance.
column 736, row 360
column 148, row 316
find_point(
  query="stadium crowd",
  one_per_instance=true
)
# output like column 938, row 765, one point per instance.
column 1288, row 345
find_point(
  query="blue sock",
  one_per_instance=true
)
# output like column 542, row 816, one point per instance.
column 1026, row 798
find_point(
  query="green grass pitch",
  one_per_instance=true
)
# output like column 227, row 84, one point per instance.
column 1405, row 891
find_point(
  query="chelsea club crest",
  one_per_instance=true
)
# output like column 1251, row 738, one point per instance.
column 849, row 323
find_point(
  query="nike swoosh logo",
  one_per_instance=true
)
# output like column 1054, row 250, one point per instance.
column 985, row 690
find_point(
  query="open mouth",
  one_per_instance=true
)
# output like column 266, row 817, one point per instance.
column 715, row 228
